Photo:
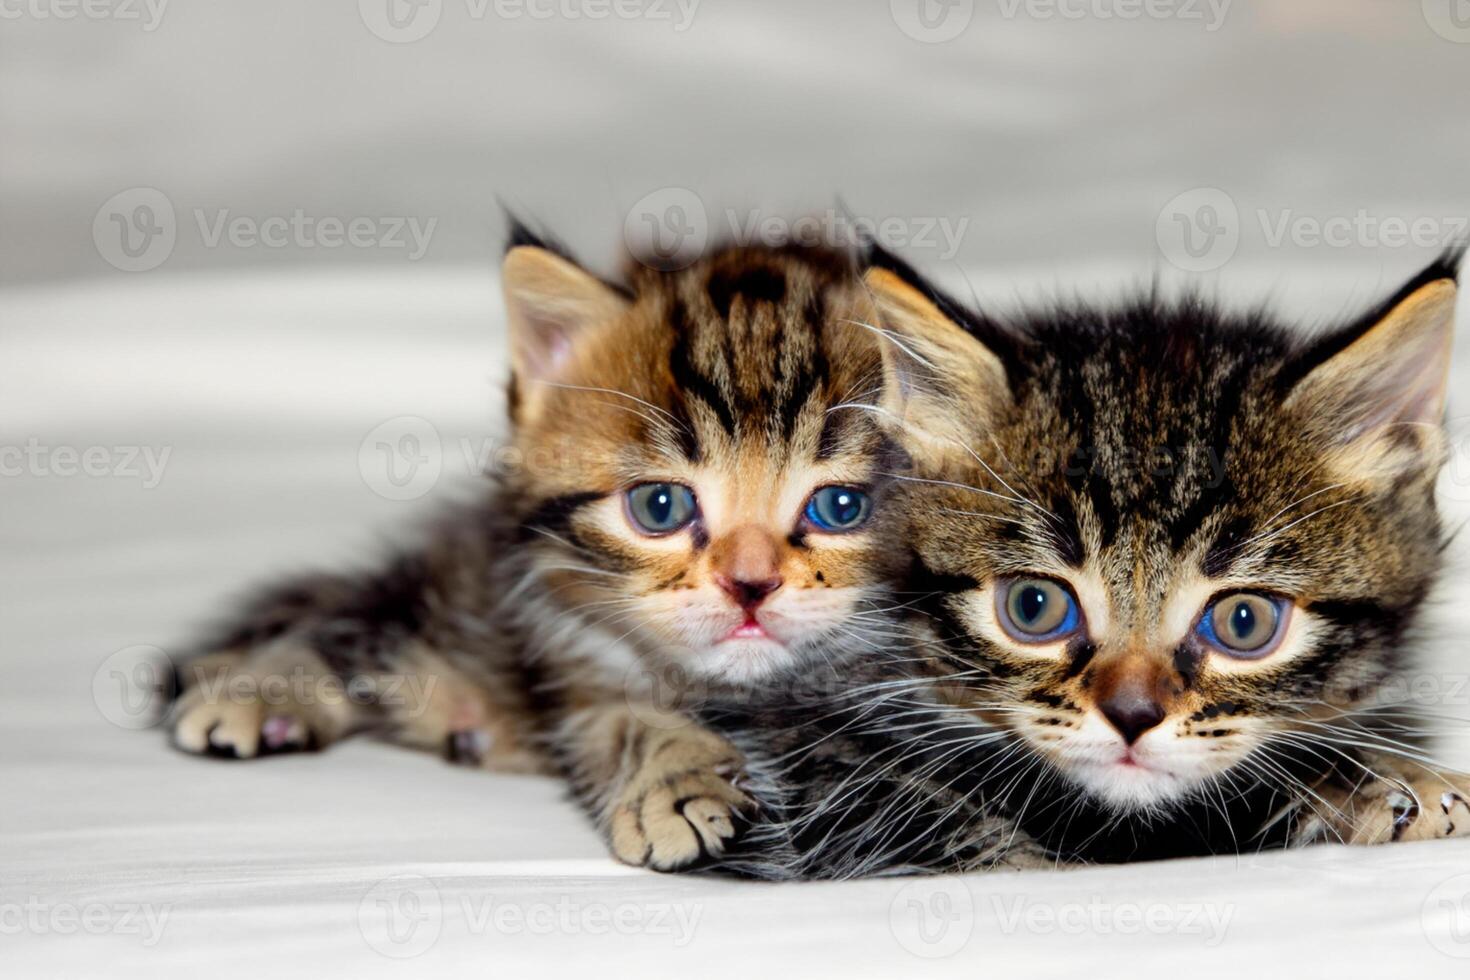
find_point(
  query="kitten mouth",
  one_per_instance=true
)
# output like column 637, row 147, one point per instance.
column 1130, row 761
column 751, row 629
column 1133, row 764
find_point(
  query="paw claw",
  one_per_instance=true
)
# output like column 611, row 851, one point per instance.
column 468, row 746
column 680, row 820
column 1395, row 807
column 238, row 729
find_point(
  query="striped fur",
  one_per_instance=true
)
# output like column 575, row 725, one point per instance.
column 1151, row 456
column 537, row 629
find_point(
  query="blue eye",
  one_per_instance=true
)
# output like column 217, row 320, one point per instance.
column 660, row 508
column 838, row 508
column 1036, row 610
column 1247, row 625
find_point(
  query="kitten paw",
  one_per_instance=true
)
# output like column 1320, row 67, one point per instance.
column 683, row 804
column 240, row 730
column 1426, row 806
column 232, row 721
column 685, row 818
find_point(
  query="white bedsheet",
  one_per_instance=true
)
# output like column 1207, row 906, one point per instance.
column 121, row 858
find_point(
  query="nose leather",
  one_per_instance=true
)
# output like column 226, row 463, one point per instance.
column 1134, row 692
column 748, row 594
column 747, row 565
column 1132, row 714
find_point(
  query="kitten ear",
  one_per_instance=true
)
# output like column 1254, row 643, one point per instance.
column 549, row 301
column 940, row 383
column 1378, row 402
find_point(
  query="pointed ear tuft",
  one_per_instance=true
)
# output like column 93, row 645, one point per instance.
column 549, row 302
column 940, row 383
column 1378, row 403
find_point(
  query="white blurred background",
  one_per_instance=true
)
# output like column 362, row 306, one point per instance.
column 1056, row 129
column 249, row 322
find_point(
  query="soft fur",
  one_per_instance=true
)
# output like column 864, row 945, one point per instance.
column 1151, row 456
column 538, row 629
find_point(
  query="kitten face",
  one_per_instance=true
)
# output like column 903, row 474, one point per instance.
column 692, row 484
column 1167, row 550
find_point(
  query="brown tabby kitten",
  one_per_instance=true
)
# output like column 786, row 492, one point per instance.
column 1172, row 560
column 695, row 495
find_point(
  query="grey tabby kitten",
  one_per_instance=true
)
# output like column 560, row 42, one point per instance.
column 1171, row 560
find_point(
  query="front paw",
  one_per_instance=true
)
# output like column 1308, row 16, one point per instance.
column 673, row 824
column 1427, row 806
column 230, row 717
column 682, row 805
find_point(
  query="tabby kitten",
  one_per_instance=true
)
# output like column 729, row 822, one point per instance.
column 1172, row 560
column 694, row 497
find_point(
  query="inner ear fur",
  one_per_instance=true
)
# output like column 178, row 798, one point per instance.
column 1377, row 405
column 940, row 384
column 549, row 302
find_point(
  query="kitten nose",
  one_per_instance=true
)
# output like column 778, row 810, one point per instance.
column 748, row 594
column 747, row 565
column 1132, row 713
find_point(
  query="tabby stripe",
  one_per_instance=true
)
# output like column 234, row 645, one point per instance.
column 690, row 378
column 556, row 513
